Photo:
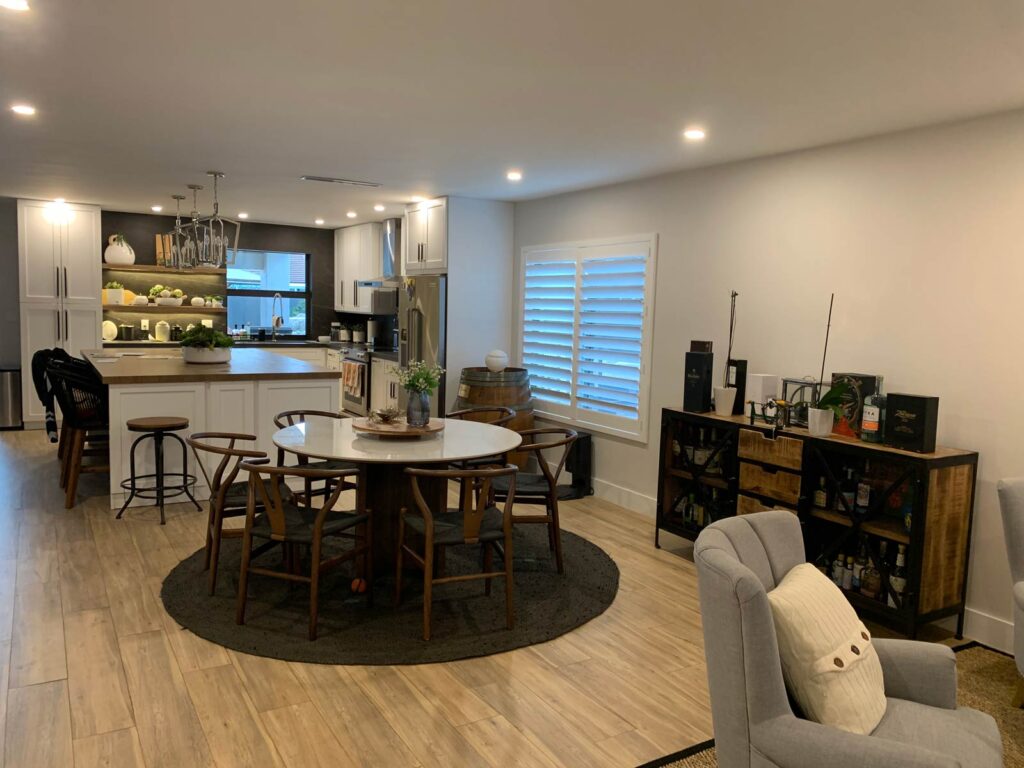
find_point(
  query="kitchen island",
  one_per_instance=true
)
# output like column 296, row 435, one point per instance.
column 243, row 395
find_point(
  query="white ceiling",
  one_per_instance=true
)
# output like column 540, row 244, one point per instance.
column 137, row 98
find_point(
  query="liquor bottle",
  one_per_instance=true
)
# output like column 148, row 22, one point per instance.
column 859, row 565
column 872, row 419
column 898, row 580
column 907, row 505
column 698, row 514
column 848, row 492
column 700, row 451
column 848, row 573
column 688, row 515
column 838, row 569
column 821, row 495
column 863, row 498
column 870, row 580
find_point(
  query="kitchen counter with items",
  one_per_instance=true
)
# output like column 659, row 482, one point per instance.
column 242, row 395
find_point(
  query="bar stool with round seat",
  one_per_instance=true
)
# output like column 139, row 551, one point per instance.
column 156, row 428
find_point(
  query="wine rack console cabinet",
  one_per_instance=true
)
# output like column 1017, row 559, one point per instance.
column 891, row 527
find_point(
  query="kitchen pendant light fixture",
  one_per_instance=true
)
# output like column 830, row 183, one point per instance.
column 222, row 244
column 177, row 237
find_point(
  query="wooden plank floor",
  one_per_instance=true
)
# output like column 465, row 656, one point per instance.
column 95, row 673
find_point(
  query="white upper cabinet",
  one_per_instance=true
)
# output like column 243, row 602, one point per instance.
column 59, row 260
column 426, row 241
column 357, row 256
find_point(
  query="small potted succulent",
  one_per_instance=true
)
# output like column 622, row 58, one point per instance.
column 419, row 381
column 114, row 292
column 200, row 344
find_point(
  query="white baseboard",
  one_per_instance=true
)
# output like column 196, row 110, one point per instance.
column 625, row 497
column 989, row 630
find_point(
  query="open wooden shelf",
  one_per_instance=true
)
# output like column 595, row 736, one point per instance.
column 154, row 268
column 157, row 309
column 715, row 481
column 887, row 528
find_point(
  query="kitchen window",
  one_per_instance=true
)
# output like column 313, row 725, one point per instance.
column 587, row 319
column 253, row 279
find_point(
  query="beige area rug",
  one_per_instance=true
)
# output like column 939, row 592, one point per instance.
column 986, row 681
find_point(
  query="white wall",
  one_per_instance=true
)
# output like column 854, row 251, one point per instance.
column 480, row 285
column 921, row 236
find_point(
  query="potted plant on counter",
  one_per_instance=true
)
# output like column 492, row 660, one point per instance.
column 822, row 416
column 200, row 344
column 419, row 381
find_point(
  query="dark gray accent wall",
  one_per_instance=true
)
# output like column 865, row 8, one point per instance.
column 140, row 230
column 10, row 331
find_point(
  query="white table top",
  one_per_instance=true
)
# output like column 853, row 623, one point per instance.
column 324, row 438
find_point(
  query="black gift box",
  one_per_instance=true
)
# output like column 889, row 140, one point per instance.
column 911, row 421
column 697, row 382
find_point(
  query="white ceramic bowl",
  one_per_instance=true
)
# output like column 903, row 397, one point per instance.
column 169, row 302
column 205, row 356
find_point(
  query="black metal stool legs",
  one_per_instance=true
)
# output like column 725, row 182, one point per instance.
column 159, row 491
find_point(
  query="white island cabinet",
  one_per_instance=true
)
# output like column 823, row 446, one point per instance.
column 241, row 396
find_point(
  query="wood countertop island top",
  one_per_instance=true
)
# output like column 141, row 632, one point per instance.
column 166, row 365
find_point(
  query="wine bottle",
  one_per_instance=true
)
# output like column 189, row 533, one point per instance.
column 821, row 495
column 848, row 492
column 838, row 568
column 848, row 573
column 898, row 580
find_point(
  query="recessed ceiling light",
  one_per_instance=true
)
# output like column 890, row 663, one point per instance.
column 243, row 215
column 156, row 208
column 379, row 208
column 694, row 134
column 23, row 109
column 14, row 5
column 514, row 175
column 417, row 198
column 318, row 222
column 351, row 214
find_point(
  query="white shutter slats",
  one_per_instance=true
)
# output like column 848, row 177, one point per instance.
column 583, row 332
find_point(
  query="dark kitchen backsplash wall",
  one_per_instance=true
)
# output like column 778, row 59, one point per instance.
column 140, row 230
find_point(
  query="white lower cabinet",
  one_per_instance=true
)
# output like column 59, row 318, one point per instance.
column 383, row 384
column 315, row 355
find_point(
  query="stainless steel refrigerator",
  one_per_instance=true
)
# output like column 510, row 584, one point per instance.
column 422, row 315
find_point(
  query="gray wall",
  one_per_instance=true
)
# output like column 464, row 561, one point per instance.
column 920, row 235
column 10, row 335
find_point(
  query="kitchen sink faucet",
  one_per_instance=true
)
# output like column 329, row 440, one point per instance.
column 276, row 320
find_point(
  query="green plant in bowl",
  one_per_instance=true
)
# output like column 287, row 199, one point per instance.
column 205, row 338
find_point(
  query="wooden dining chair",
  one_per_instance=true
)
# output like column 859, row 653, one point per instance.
column 290, row 419
column 477, row 522
column 540, row 488
column 497, row 415
column 85, row 406
column 295, row 526
column 229, row 497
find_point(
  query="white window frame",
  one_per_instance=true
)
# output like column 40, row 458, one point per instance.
column 571, row 414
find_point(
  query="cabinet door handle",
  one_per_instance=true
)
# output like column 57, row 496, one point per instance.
column 58, row 325
column 56, row 282
column 65, row 284
column 67, row 328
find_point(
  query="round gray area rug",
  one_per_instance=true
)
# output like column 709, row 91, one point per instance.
column 465, row 623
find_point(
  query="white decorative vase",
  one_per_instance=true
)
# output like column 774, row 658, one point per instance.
column 819, row 421
column 358, row 336
column 206, row 356
column 344, row 335
column 118, row 251
column 725, row 398
column 496, row 361
column 115, row 295
column 162, row 331
column 198, row 301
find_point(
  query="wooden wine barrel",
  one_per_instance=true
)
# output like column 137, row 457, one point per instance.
column 480, row 387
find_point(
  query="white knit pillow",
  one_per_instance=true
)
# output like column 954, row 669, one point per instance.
column 828, row 661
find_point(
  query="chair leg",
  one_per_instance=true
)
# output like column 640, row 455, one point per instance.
column 213, row 550
column 488, row 567
column 75, row 467
column 209, row 536
column 556, row 533
column 398, row 561
column 1018, row 696
column 314, row 588
column 428, row 586
column 158, row 447
column 243, row 577
column 510, row 615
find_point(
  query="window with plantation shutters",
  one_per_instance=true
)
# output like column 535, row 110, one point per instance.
column 586, row 328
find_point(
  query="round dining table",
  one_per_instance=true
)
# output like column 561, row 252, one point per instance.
column 385, row 459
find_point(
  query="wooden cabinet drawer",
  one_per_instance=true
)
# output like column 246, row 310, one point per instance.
column 746, row 505
column 777, row 484
column 781, row 452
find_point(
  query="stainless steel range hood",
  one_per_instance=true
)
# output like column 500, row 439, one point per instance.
column 391, row 243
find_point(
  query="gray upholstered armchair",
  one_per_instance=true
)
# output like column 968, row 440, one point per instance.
column 1011, row 501
column 739, row 560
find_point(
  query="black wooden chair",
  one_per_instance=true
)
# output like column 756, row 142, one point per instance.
column 477, row 522
column 290, row 419
column 540, row 488
column 295, row 526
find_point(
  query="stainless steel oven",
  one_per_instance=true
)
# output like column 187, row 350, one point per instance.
column 355, row 381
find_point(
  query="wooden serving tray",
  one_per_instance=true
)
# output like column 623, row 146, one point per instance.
column 398, row 429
